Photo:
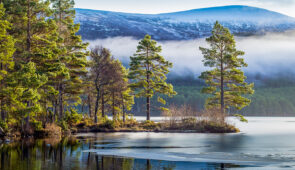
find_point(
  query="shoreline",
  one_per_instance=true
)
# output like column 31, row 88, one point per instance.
column 53, row 130
column 147, row 131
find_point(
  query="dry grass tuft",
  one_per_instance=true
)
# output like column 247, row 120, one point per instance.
column 213, row 115
column 179, row 115
column 185, row 118
column 50, row 130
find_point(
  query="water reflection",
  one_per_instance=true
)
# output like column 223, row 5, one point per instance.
column 68, row 154
column 264, row 143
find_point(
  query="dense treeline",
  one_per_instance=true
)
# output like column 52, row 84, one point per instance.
column 47, row 71
column 51, row 80
column 44, row 66
column 43, row 62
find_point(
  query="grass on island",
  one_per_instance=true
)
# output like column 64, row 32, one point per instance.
column 178, row 119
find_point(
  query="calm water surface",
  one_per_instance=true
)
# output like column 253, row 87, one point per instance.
column 264, row 143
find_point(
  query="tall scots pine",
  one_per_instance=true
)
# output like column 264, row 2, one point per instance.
column 73, row 54
column 226, row 81
column 148, row 71
column 36, row 37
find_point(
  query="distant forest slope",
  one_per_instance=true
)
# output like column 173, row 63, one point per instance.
column 266, row 101
column 273, row 97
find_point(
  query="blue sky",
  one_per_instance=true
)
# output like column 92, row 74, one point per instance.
column 159, row 6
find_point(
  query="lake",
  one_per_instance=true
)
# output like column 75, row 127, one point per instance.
column 264, row 143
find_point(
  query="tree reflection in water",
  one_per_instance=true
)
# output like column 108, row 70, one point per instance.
column 67, row 154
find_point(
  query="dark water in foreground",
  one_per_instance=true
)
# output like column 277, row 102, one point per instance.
column 68, row 154
column 265, row 143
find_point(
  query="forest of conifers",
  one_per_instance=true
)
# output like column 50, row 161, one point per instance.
column 48, row 74
column 47, row 71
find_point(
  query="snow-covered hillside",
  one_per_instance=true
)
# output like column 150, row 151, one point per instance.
column 241, row 20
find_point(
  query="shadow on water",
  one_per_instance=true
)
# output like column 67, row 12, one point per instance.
column 68, row 154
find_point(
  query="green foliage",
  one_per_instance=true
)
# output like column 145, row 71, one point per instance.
column 36, row 124
column 7, row 45
column 148, row 71
column 42, row 61
column 149, row 125
column 241, row 118
column 108, row 124
column 72, row 55
column 226, row 81
column 44, row 71
column 63, row 124
column 25, row 84
column 72, row 117
column 6, row 61
column 130, row 121
column 3, row 125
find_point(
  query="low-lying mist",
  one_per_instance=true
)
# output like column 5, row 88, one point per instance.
column 270, row 54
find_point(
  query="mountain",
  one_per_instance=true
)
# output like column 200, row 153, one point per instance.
column 184, row 25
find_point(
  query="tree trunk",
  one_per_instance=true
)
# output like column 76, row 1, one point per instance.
column 28, row 45
column 27, row 119
column 1, row 101
column 113, row 106
column 29, row 27
column 61, row 106
column 148, row 116
column 102, row 105
column 124, row 115
column 2, row 111
column 89, row 106
column 221, row 87
column 123, row 109
column 96, row 107
column 46, row 116
column 148, row 110
column 55, row 110
column 82, row 109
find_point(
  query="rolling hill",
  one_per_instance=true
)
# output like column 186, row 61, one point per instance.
column 184, row 25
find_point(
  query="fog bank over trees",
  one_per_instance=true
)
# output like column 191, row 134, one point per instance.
column 266, row 55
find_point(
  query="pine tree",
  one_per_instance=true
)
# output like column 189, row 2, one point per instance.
column 24, row 85
column 148, row 71
column 127, row 98
column 73, row 54
column 226, row 81
column 6, row 60
column 36, row 38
